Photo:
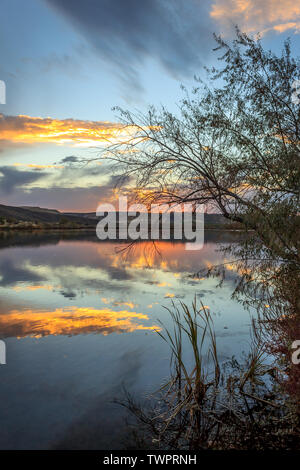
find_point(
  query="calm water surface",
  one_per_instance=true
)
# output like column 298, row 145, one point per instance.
column 78, row 317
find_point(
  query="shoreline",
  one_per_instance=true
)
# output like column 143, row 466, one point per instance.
column 89, row 229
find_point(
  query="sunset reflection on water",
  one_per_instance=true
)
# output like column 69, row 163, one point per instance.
column 79, row 319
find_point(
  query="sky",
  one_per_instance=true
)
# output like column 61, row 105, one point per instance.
column 67, row 63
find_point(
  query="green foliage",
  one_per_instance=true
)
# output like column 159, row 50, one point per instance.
column 64, row 221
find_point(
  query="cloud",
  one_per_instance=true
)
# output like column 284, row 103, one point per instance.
column 67, row 188
column 11, row 273
column 37, row 166
column 65, row 63
column 126, row 33
column 70, row 159
column 11, row 178
column 32, row 130
column 65, row 199
column 72, row 321
column 258, row 16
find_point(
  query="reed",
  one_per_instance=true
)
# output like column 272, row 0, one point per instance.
column 205, row 405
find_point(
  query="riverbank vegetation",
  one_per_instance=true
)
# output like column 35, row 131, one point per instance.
column 208, row 405
column 234, row 146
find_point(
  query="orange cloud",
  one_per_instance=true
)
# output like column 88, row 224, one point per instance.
column 70, row 321
column 125, row 304
column 30, row 130
column 169, row 296
column 254, row 16
column 33, row 288
column 117, row 303
column 38, row 167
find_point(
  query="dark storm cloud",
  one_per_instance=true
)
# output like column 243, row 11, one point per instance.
column 11, row 178
column 70, row 159
column 65, row 199
column 125, row 33
column 68, row 294
column 119, row 180
column 55, row 192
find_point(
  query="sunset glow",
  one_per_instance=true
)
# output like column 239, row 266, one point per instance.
column 254, row 16
column 78, row 133
column 71, row 321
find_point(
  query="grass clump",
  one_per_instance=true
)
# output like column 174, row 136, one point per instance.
column 205, row 405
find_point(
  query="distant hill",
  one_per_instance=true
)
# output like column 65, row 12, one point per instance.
column 215, row 219
column 40, row 214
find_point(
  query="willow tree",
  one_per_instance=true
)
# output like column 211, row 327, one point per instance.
column 233, row 145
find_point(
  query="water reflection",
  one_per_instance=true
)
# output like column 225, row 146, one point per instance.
column 136, row 277
column 78, row 317
column 70, row 321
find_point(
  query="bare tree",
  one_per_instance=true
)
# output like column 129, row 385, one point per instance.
column 234, row 144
